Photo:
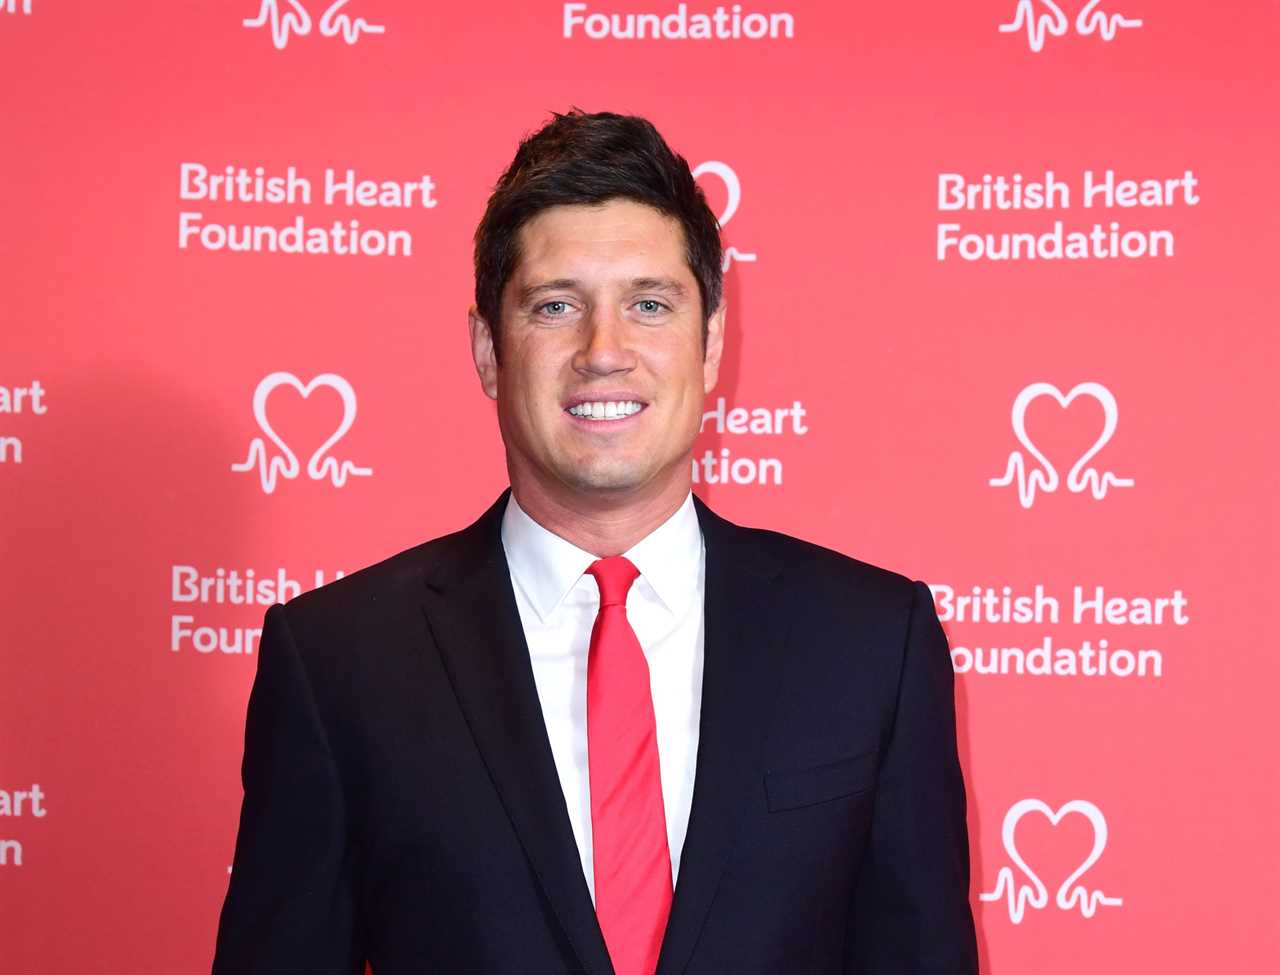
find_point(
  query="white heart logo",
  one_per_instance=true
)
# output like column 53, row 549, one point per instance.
column 285, row 464
column 1034, row 894
column 1052, row 21
column 1080, row 477
column 730, row 179
column 297, row 21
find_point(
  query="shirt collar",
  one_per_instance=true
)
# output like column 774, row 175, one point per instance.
column 546, row 567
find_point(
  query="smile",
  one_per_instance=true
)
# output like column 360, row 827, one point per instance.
column 605, row 410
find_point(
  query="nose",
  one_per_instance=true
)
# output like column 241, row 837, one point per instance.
column 606, row 347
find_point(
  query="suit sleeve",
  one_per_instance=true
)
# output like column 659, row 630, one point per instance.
column 910, row 913
column 290, row 906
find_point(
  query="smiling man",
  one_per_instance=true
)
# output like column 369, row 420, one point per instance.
column 599, row 359
column 602, row 729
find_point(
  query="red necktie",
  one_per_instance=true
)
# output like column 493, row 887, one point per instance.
column 628, row 825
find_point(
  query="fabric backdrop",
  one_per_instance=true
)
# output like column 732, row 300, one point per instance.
column 1002, row 317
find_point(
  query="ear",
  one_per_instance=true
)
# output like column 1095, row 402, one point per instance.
column 482, row 351
column 715, row 348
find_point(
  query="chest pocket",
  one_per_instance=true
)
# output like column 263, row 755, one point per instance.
column 793, row 788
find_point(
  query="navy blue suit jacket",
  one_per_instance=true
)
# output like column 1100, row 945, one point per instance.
column 401, row 803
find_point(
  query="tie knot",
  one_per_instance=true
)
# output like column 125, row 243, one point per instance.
column 614, row 576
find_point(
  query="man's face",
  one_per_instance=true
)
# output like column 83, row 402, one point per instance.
column 603, row 371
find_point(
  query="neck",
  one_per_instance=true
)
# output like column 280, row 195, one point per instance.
column 602, row 523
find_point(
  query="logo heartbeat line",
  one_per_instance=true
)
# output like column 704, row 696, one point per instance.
column 1028, row 482
column 1053, row 22
column 331, row 22
column 1071, row 894
column 297, row 21
column 1045, row 478
column 285, row 464
column 732, row 254
column 1107, row 26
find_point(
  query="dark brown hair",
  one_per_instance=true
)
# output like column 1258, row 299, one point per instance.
column 582, row 158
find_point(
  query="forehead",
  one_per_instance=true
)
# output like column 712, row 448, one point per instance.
column 616, row 239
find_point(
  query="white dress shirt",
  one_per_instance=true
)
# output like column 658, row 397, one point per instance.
column 558, row 603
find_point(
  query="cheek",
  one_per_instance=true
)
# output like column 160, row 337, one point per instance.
column 680, row 378
column 688, row 369
column 525, row 371
column 532, row 388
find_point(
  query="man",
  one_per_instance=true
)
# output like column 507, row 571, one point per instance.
column 499, row 752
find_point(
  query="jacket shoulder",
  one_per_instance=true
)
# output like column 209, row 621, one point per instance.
column 374, row 592
column 821, row 570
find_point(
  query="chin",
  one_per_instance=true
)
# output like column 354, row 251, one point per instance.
column 606, row 477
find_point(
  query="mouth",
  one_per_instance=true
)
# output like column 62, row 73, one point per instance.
column 599, row 411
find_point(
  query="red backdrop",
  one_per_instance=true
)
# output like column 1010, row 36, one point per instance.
column 197, row 385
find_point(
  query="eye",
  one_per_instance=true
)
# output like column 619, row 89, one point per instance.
column 651, row 306
column 553, row 309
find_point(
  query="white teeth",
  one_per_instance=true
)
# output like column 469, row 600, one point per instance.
column 606, row 410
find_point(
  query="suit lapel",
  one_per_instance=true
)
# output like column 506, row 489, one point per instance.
column 471, row 609
column 743, row 637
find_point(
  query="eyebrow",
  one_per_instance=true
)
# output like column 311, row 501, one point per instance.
column 666, row 285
